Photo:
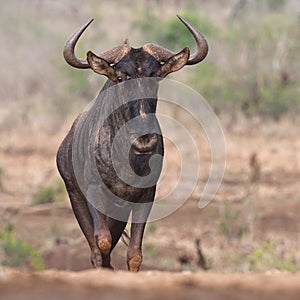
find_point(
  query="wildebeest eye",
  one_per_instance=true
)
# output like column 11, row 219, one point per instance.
column 119, row 79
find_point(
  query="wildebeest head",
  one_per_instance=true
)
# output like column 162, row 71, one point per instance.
column 123, row 63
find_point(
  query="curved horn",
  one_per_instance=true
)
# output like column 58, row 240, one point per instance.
column 162, row 54
column 69, row 48
column 111, row 56
column 202, row 46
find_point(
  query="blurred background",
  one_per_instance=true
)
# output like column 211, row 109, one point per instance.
column 251, row 80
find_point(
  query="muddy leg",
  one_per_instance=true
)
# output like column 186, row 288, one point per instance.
column 134, row 254
column 101, row 233
column 116, row 229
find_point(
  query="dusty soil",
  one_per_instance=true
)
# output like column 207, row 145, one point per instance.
column 264, row 201
column 146, row 285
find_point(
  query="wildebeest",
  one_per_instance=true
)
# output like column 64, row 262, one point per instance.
column 122, row 64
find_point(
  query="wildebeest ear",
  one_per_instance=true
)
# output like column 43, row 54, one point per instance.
column 175, row 62
column 100, row 66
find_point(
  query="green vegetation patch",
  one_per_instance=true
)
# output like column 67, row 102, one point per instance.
column 266, row 257
column 53, row 193
column 18, row 252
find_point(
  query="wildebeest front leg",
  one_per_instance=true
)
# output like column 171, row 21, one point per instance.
column 134, row 254
column 101, row 232
column 84, row 219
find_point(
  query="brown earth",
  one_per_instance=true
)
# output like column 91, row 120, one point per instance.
column 146, row 285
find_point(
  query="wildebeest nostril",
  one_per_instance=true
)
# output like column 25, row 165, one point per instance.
column 144, row 143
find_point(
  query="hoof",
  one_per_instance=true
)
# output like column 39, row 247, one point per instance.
column 110, row 267
column 104, row 245
column 134, row 263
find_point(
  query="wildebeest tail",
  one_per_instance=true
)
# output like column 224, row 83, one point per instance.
column 125, row 237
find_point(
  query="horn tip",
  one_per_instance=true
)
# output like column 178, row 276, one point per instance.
column 184, row 21
column 90, row 21
column 180, row 17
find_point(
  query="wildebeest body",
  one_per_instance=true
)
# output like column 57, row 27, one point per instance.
column 94, row 166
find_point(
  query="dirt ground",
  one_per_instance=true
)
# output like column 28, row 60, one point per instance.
column 249, row 235
column 146, row 285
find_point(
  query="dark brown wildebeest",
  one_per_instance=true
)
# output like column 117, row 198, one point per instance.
column 128, row 71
